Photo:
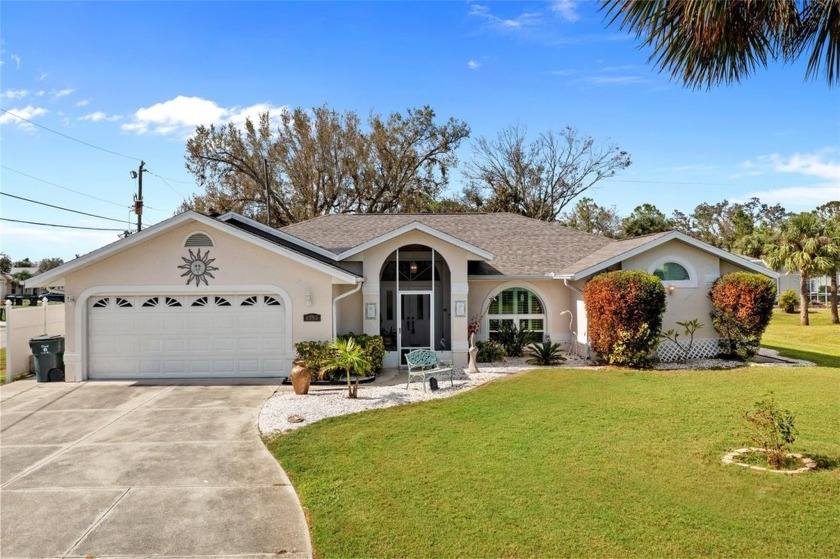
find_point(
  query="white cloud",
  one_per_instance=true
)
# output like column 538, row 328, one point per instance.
column 42, row 75
column 520, row 22
column 83, row 103
column 823, row 164
column 15, row 93
column 29, row 112
column 63, row 93
column 565, row 9
column 16, row 59
column 182, row 115
column 98, row 116
column 473, row 64
column 799, row 196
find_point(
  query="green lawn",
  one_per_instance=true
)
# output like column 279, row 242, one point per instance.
column 3, row 366
column 574, row 463
column 819, row 342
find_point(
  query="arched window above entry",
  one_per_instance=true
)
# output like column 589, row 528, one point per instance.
column 671, row 271
column 198, row 239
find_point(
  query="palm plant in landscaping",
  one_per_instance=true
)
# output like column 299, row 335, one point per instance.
column 349, row 357
column 805, row 246
column 546, row 353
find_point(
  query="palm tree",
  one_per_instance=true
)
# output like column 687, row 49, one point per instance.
column 832, row 229
column 349, row 357
column 708, row 42
column 804, row 246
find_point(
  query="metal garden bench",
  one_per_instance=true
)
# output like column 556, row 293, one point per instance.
column 424, row 363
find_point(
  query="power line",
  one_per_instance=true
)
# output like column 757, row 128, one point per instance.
column 73, row 191
column 172, row 188
column 63, row 187
column 173, row 180
column 57, row 225
column 69, row 137
column 60, row 207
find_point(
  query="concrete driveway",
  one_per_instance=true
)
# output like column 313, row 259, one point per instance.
column 131, row 469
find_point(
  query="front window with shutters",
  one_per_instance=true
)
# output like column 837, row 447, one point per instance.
column 517, row 306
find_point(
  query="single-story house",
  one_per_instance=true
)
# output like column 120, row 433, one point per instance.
column 196, row 296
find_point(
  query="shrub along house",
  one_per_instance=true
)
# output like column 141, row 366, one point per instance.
column 195, row 296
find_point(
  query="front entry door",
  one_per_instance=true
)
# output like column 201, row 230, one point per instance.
column 415, row 322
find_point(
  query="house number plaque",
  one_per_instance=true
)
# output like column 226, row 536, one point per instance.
column 312, row 317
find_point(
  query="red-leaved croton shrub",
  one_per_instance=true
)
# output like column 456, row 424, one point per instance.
column 742, row 305
column 625, row 316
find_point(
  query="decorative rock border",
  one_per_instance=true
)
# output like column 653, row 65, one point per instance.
column 807, row 463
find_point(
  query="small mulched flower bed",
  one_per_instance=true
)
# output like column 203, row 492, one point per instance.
column 755, row 459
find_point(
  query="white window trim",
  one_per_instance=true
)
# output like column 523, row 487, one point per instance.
column 692, row 273
column 485, row 322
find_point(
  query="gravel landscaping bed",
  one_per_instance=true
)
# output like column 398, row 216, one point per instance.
column 322, row 404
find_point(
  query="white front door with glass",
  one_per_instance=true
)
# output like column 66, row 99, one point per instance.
column 416, row 319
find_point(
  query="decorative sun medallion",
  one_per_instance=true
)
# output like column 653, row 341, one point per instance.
column 198, row 267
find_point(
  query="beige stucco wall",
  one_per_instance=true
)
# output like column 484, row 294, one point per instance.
column 349, row 314
column 153, row 266
column 554, row 294
column 687, row 301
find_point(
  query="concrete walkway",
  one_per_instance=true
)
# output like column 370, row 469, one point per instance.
column 130, row 469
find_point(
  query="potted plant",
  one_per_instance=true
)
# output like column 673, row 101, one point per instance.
column 348, row 356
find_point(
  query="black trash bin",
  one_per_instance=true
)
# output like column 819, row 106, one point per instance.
column 49, row 357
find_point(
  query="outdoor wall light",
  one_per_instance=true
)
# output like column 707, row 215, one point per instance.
column 412, row 267
column 671, row 289
column 308, row 297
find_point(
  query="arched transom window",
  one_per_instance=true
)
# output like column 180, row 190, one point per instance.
column 671, row 271
column 517, row 307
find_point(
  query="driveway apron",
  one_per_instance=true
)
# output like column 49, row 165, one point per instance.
column 124, row 469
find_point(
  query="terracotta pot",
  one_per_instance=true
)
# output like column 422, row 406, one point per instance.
column 300, row 377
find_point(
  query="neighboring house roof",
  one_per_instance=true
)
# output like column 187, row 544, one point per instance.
column 518, row 246
column 614, row 253
column 53, row 277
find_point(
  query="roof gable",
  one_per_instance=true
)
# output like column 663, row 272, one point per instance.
column 51, row 276
column 622, row 250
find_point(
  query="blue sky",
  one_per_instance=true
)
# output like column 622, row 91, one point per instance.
column 136, row 78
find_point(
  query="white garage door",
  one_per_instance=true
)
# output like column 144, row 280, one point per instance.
column 178, row 336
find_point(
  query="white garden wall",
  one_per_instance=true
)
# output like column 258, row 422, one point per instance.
column 23, row 323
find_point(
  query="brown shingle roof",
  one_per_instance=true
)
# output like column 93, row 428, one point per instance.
column 608, row 251
column 522, row 246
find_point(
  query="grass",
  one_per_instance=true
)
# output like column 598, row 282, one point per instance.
column 3, row 366
column 570, row 463
column 819, row 342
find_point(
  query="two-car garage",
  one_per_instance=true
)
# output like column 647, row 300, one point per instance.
column 137, row 336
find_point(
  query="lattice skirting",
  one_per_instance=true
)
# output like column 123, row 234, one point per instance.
column 703, row 348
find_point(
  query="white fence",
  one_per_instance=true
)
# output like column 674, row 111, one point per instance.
column 23, row 323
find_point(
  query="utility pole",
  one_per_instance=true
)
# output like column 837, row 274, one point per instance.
column 138, row 200
column 267, row 199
